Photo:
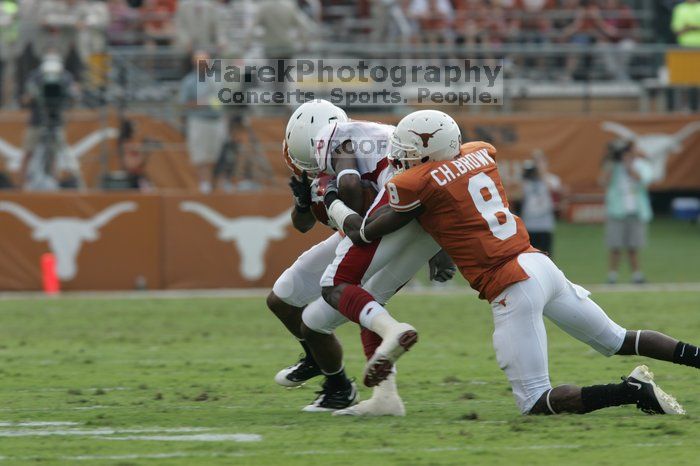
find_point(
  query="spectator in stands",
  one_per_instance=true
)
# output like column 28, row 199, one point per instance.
column 158, row 27
column 197, row 26
column 477, row 24
column 434, row 18
column 587, row 28
column 237, row 27
column 284, row 28
column 9, row 33
column 60, row 20
column 205, row 126
column 539, row 188
column 626, row 174
column 619, row 36
column 389, row 22
column 125, row 27
column 27, row 46
column 529, row 24
column 685, row 23
column 92, row 30
column 313, row 9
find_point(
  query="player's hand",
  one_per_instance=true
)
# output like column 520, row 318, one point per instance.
column 441, row 267
column 301, row 190
column 331, row 193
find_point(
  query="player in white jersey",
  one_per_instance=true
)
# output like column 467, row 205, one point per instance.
column 350, row 151
column 364, row 147
column 353, row 152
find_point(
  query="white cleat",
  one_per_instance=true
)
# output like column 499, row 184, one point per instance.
column 651, row 398
column 385, row 401
column 379, row 367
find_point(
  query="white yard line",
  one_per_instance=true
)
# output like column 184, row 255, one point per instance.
column 194, row 438
column 83, row 432
column 39, row 424
column 262, row 292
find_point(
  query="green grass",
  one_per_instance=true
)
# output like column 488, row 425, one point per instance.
column 672, row 253
column 208, row 363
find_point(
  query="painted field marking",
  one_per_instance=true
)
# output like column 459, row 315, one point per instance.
column 194, row 438
column 39, row 424
column 82, row 432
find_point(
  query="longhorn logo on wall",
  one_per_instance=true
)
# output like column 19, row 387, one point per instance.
column 13, row 155
column 251, row 235
column 657, row 147
column 66, row 235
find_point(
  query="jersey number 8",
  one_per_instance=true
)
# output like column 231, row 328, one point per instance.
column 488, row 202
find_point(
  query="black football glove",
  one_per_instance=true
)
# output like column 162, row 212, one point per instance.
column 442, row 268
column 301, row 190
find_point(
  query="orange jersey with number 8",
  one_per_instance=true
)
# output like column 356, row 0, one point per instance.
column 466, row 212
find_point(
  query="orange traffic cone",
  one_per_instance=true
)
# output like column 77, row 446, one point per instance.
column 48, row 274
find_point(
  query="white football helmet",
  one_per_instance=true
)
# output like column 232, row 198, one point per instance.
column 304, row 125
column 424, row 136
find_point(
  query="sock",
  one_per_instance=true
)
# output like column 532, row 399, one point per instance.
column 375, row 317
column 388, row 386
column 360, row 307
column 352, row 301
column 603, row 396
column 337, row 379
column 370, row 341
column 687, row 355
column 381, row 323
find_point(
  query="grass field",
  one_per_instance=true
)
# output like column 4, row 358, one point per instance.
column 672, row 254
column 151, row 382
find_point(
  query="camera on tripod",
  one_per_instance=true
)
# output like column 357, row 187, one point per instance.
column 617, row 149
column 53, row 92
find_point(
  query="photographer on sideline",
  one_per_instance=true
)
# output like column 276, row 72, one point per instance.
column 538, row 208
column 626, row 174
column 48, row 164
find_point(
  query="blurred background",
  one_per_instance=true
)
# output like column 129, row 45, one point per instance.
column 108, row 164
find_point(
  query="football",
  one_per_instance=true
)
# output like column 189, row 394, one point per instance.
column 318, row 190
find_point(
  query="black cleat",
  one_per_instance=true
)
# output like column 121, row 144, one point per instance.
column 298, row 374
column 332, row 399
column 650, row 398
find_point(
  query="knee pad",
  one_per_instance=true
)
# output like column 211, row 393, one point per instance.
column 294, row 290
column 321, row 317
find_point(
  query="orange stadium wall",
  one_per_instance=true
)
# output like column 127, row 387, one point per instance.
column 174, row 239
column 118, row 242
column 574, row 145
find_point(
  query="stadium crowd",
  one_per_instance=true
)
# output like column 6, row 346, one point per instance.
column 81, row 34
column 79, row 29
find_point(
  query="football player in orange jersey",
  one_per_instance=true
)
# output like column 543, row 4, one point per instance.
column 456, row 194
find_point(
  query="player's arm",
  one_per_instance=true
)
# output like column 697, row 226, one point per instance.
column 385, row 220
column 380, row 223
column 348, row 176
column 302, row 218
